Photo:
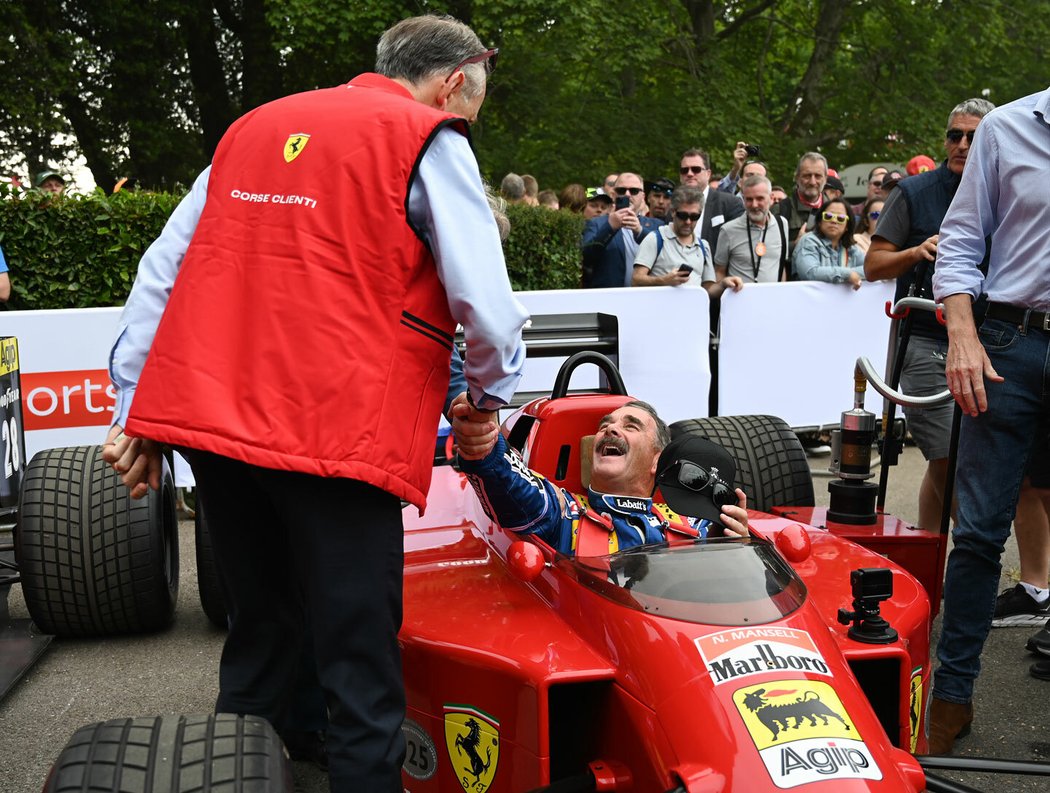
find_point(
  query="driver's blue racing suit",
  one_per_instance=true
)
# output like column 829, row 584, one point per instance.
column 526, row 502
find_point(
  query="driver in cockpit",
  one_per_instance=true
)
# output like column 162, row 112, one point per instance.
column 632, row 453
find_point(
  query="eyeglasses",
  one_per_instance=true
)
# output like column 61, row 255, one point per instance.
column 488, row 57
column 956, row 135
column 692, row 217
column 875, row 182
column 691, row 169
column 700, row 480
column 622, row 191
column 835, row 217
column 874, row 214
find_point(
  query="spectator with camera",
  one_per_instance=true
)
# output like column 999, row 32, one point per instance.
column 675, row 255
column 745, row 163
column 802, row 208
column 829, row 253
column 753, row 247
column 610, row 242
column 718, row 207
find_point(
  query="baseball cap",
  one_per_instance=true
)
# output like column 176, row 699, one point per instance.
column 920, row 164
column 835, row 184
column 43, row 176
column 696, row 477
column 598, row 194
column 660, row 185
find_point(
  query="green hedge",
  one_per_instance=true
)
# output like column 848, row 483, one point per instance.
column 83, row 251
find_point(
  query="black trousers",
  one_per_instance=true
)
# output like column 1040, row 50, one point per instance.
column 291, row 547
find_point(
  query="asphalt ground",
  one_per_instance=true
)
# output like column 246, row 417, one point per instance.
column 79, row 682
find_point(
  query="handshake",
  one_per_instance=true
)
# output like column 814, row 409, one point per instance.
column 475, row 430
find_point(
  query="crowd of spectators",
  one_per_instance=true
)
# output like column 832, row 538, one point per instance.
column 747, row 229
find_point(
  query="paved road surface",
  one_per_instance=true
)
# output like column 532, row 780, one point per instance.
column 79, row 682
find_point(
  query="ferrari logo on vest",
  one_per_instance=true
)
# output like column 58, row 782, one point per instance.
column 472, row 738
column 294, row 146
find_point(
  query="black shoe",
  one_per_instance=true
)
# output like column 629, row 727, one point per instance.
column 1040, row 670
column 1040, row 642
column 306, row 747
column 1015, row 607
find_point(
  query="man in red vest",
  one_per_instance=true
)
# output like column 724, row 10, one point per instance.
column 289, row 333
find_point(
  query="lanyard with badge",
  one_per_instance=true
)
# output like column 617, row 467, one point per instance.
column 759, row 248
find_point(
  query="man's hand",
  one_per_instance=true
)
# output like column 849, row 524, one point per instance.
column 475, row 430
column 624, row 218
column 734, row 518
column 967, row 364
column 734, row 282
column 927, row 249
column 137, row 460
column 675, row 278
column 739, row 157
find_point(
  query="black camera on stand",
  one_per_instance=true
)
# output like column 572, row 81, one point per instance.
column 870, row 586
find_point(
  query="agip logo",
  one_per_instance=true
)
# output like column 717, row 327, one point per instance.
column 803, row 733
column 472, row 738
column 294, row 146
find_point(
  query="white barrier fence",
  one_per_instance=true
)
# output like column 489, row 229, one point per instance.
column 786, row 349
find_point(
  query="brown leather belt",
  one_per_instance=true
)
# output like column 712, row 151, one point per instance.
column 1023, row 317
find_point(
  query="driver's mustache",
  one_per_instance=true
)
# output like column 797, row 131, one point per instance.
column 617, row 443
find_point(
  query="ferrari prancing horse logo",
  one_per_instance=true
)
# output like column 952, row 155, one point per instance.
column 294, row 146
column 472, row 738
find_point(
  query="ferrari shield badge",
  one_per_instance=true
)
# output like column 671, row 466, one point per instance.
column 915, row 706
column 803, row 733
column 472, row 737
column 294, row 146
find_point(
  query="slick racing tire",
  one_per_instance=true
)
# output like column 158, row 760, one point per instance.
column 771, row 466
column 221, row 753
column 208, row 587
column 95, row 562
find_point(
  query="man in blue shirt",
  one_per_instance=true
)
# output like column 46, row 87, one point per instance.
column 996, row 374
column 5, row 279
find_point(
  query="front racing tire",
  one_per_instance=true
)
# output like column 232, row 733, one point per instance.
column 95, row 562
column 771, row 465
column 221, row 753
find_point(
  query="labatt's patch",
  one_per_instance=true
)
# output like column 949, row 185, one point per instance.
column 803, row 733
column 472, row 738
column 734, row 654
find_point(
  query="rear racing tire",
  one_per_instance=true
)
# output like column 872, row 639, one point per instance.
column 221, row 753
column 208, row 587
column 95, row 562
column 771, row 465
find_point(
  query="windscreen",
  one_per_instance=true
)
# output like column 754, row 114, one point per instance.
column 724, row 581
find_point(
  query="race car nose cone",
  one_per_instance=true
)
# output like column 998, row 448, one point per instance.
column 525, row 560
column 794, row 544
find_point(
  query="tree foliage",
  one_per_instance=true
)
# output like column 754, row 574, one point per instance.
column 146, row 89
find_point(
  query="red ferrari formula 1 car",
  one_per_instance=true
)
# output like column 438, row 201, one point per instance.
column 717, row 665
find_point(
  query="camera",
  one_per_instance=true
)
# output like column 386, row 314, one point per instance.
column 622, row 202
column 752, row 150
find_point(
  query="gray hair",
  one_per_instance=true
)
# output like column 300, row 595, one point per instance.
column 687, row 194
column 755, row 179
column 512, row 187
column 811, row 156
column 663, row 434
column 971, row 107
column 418, row 48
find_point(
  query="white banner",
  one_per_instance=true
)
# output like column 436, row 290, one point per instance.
column 790, row 349
column 786, row 349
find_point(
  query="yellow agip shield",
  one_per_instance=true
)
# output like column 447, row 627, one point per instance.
column 472, row 738
column 294, row 146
